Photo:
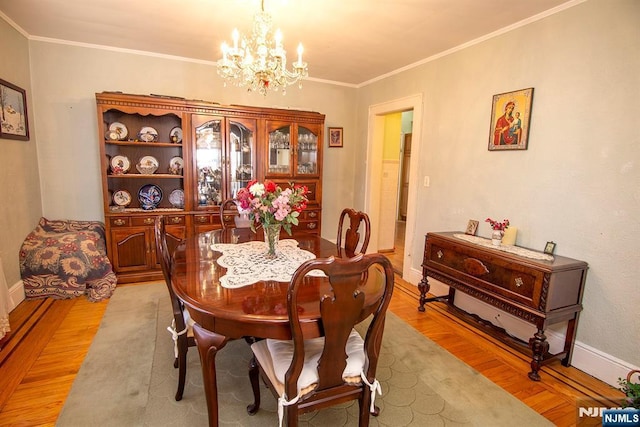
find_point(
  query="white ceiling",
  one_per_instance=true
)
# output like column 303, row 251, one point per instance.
column 346, row 41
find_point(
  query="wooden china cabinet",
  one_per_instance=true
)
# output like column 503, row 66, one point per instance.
column 182, row 158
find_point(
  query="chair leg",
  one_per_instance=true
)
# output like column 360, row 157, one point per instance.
column 365, row 405
column 182, row 366
column 254, row 377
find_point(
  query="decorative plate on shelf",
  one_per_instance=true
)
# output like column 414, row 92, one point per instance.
column 176, row 198
column 122, row 198
column 176, row 164
column 120, row 164
column 176, row 135
column 147, row 165
column 149, row 196
column 120, row 129
column 148, row 134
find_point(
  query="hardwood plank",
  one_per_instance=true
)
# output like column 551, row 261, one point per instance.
column 43, row 326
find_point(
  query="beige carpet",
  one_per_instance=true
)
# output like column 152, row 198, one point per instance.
column 128, row 379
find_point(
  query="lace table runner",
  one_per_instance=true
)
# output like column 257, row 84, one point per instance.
column 527, row 253
column 246, row 263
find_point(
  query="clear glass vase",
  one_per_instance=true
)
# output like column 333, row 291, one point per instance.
column 271, row 237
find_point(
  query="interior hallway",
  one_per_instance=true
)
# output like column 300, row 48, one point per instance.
column 397, row 255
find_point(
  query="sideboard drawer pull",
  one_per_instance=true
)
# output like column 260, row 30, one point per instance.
column 440, row 254
column 202, row 219
column 149, row 221
column 519, row 282
column 176, row 220
column 313, row 214
column 119, row 221
column 312, row 225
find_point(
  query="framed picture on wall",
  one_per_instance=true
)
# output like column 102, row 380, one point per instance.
column 510, row 120
column 13, row 112
column 335, row 137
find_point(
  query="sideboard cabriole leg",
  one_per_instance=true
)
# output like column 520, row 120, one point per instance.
column 423, row 287
column 209, row 344
column 539, row 346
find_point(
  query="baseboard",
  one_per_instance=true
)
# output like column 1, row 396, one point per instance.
column 16, row 295
column 590, row 360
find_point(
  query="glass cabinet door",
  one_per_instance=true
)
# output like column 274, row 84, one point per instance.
column 280, row 150
column 307, row 152
column 241, row 156
column 209, row 162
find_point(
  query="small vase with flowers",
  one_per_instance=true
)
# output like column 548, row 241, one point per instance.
column 498, row 230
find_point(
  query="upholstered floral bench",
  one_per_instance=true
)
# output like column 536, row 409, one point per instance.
column 65, row 259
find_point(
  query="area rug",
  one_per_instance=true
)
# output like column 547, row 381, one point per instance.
column 128, row 379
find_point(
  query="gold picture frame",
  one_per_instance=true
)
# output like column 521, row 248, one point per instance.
column 510, row 120
column 472, row 227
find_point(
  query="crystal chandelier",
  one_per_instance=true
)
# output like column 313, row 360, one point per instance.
column 260, row 62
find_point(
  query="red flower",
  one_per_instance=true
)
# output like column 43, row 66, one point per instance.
column 270, row 186
column 498, row 225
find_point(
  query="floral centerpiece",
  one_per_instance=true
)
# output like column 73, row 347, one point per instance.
column 498, row 230
column 273, row 208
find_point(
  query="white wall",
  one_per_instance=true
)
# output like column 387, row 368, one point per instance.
column 20, row 206
column 578, row 182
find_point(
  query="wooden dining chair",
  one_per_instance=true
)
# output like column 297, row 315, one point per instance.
column 181, row 328
column 352, row 234
column 228, row 212
column 307, row 375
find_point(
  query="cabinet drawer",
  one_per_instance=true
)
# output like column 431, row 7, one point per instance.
column 120, row 221
column 174, row 219
column 486, row 272
column 143, row 220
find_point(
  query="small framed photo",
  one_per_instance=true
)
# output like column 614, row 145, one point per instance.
column 472, row 227
column 13, row 112
column 335, row 137
column 510, row 119
column 549, row 248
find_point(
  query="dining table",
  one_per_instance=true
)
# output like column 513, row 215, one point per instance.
column 233, row 290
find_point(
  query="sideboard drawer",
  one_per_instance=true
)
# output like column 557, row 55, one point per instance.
column 490, row 273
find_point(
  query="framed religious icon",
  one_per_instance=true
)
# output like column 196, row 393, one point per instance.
column 335, row 137
column 510, row 120
column 13, row 112
column 549, row 248
column 472, row 227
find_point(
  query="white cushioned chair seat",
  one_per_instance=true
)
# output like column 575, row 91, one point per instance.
column 275, row 357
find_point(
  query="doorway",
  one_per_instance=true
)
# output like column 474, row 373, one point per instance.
column 374, row 176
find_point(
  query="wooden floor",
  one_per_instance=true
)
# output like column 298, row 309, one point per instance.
column 51, row 338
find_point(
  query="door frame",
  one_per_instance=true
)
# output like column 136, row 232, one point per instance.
column 373, row 179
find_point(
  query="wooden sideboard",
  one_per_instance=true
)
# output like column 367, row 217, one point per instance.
column 538, row 291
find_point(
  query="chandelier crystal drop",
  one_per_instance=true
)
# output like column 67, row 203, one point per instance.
column 259, row 63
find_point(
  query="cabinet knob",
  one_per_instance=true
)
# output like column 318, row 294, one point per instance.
column 313, row 214
column 440, row 254
column 119, row 221
column 312, row 225
column 519, row 282
column 149, row 221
